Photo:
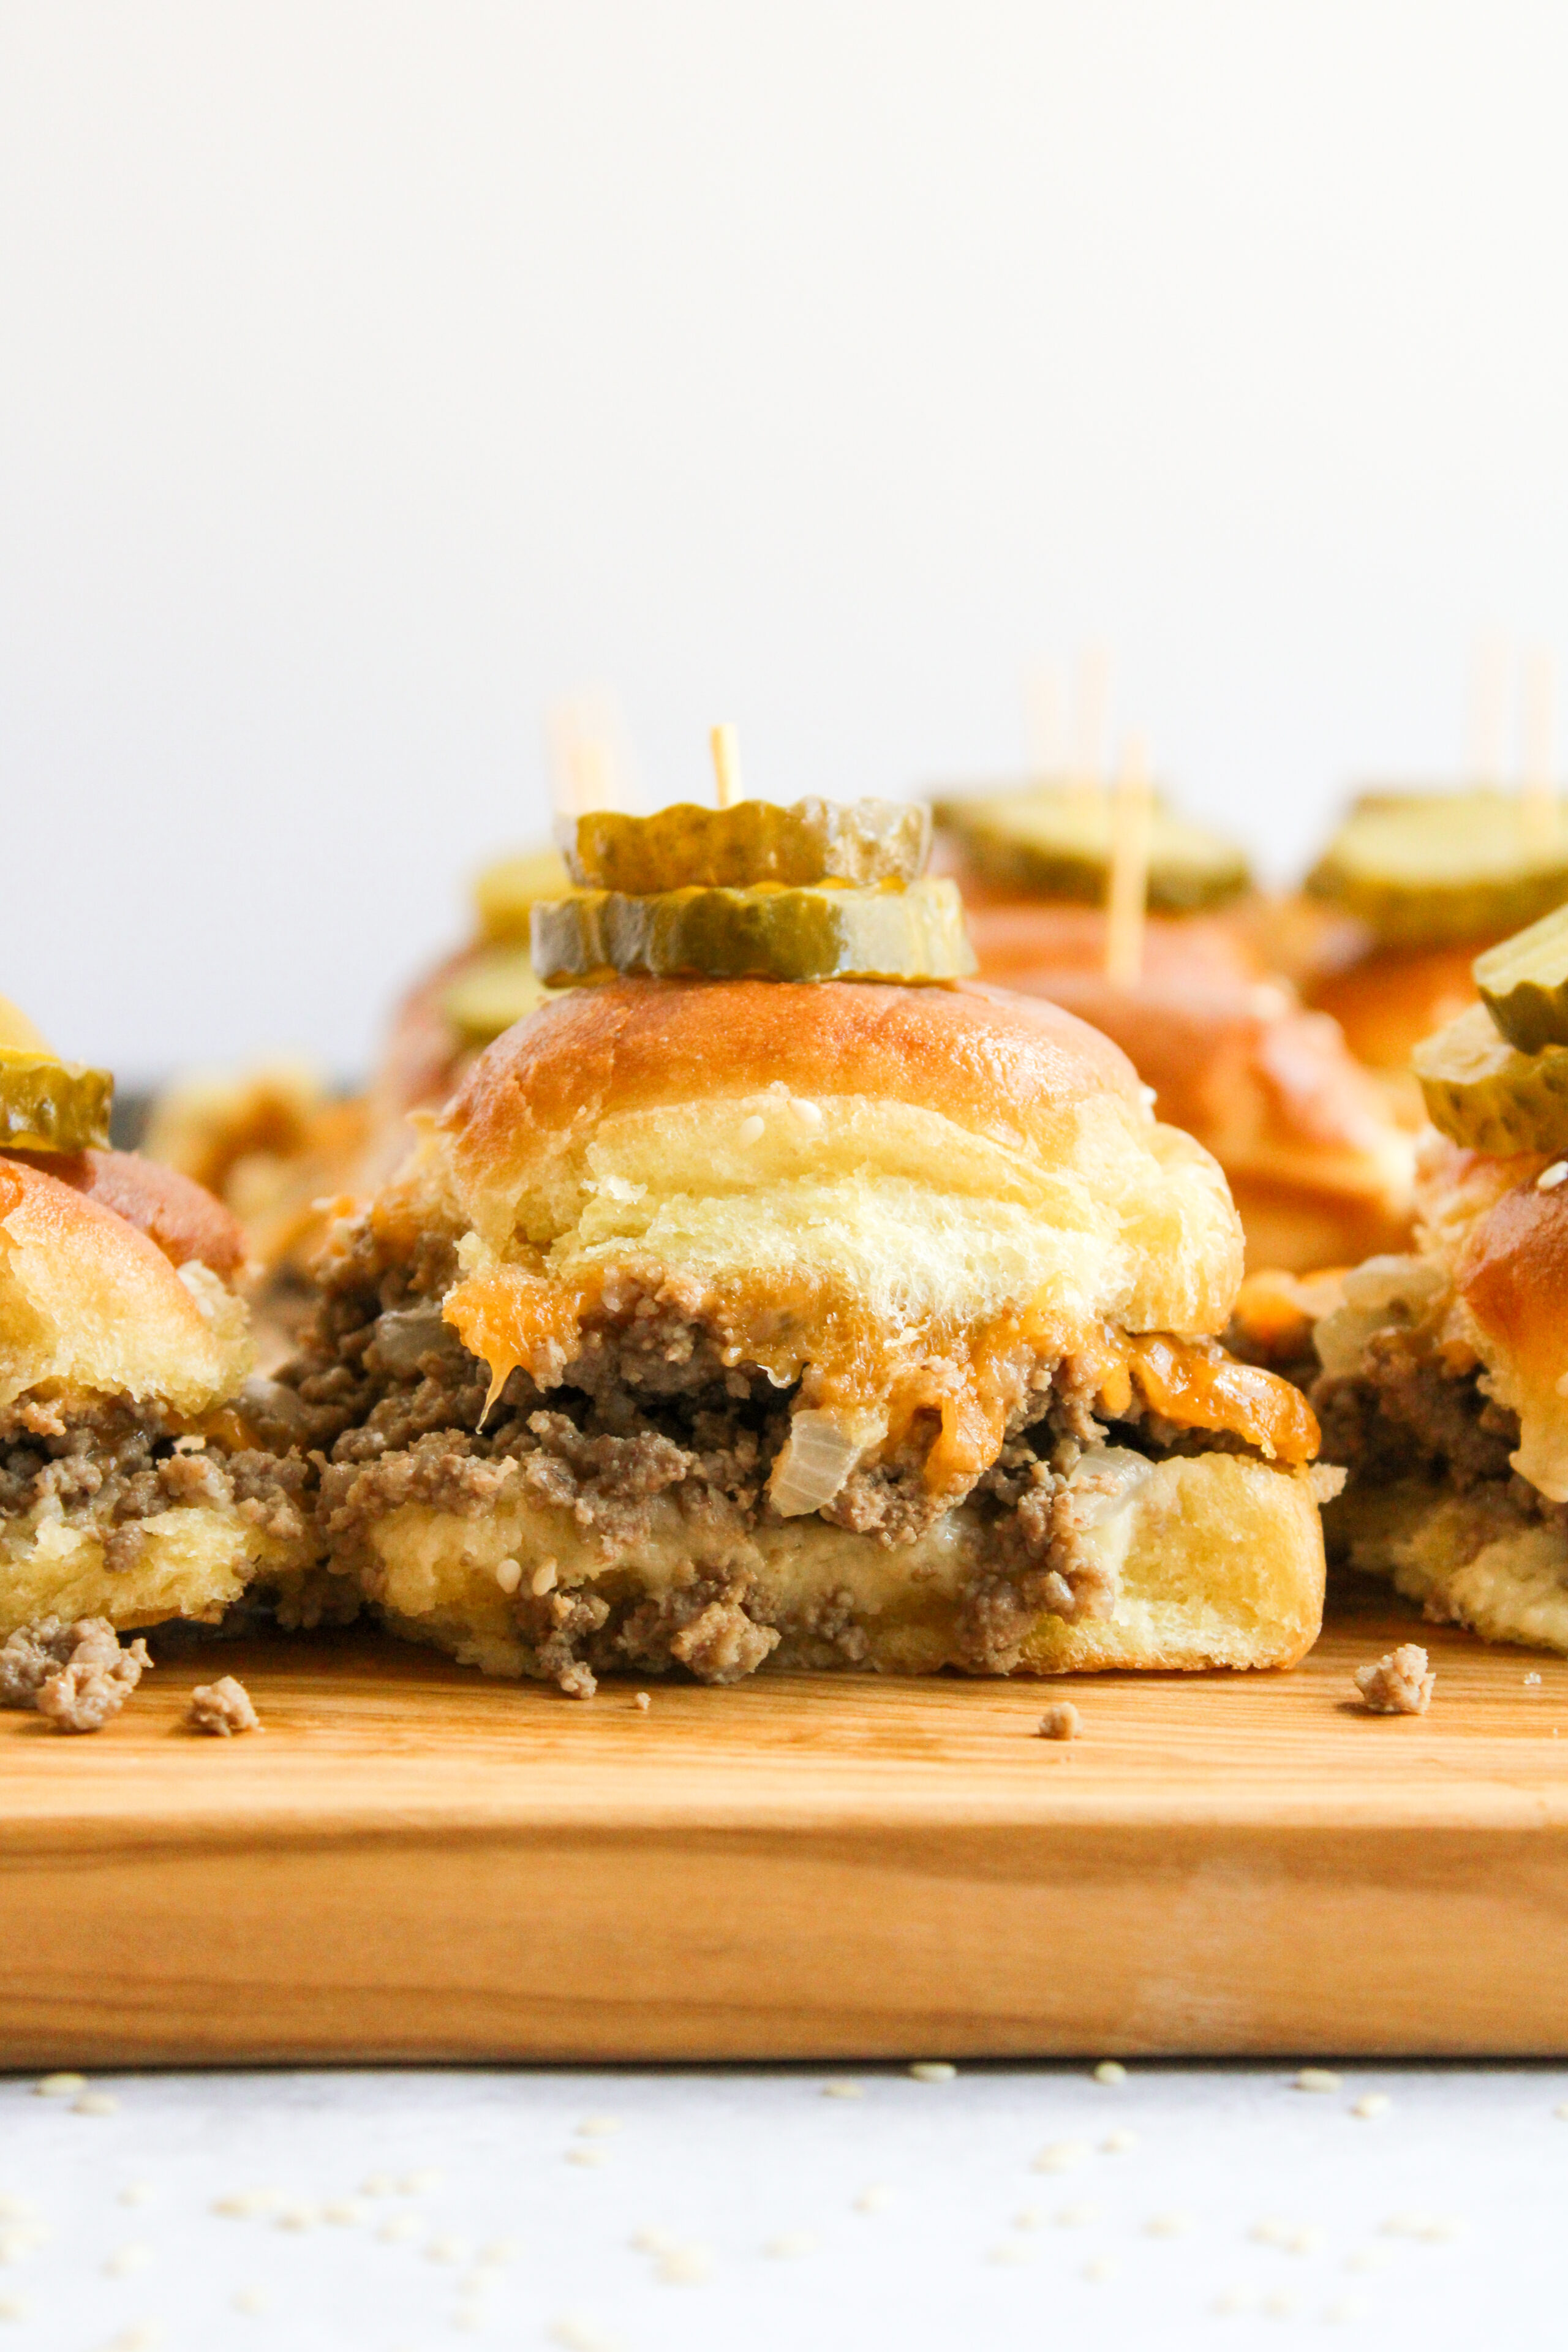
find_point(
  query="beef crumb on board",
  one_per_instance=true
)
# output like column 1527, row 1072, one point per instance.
column 1061, row 1721
column 223, row 1709
column 77, row 1676
column 1400, row 1682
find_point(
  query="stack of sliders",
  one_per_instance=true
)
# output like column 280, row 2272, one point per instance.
column 1445, row 1374
column 778, row 1295
column 128, row 1491
column 1317, row 1161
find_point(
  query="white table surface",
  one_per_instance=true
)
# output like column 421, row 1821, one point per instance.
column 717, row 2209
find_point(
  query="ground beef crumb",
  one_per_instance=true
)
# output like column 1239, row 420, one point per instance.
column 1061, row 1721
column 222, row 1708
column 78, row 1675
column 1400, row 1684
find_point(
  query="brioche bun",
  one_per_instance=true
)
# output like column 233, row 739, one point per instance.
column 90, row 1303
column 181, row 1216
column 910, row 1156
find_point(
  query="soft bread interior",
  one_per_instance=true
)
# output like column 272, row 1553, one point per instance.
column 1463, row 1557
column 193, row 1561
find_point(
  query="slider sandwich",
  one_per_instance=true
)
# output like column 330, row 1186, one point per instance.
column 128, row 1488
column 1444, row 1386
column 778, row 1296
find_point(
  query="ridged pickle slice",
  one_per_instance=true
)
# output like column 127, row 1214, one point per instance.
column 1054, row 840
column 688, row 846
column 766, row 932
column 497, row 988
column 1487, row 1096
column 506, row 893
column 1524, row 984
column 47, row 1104
column 1436, row 869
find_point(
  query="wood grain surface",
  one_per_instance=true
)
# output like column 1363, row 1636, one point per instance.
column 412, row 1862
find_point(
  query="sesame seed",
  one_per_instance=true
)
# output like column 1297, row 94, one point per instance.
column 544, row 1577
column 1375, row 2104
column 1279, row 2306
column 136, row 2193
column 1268, row 2232
column 60, row 2087
column 249, row 2299
column 1060, row 2157
column 1011, row 2251
column 379, row 2184
column 643, row 1701
column 1077, row 2217
column 421, row 2184
column 875, row 2199
column 1302, row 2242
column 400, row 2226
column 467, row 2321
column 1231, row 2301
column 807, row 1113
column 15, row 2245
column 13, row 2306
column 1110, row 2070
column 145, row 2335
column 1100, row 2269
column 125, row 2259
column 649, row 2241
column 1550, row 1178
column 1438, row 2233
column 598, row 2126
column 1347, row 2308
column 298, row 2217
column 508, row 1574
column 498, row 2252
column 587, row 2157
column 1028, row 2218
column 1367, row 2259
column 447, row 2250
column 843, row 2090
column 579, row 2335
column 95, row 2102
column 243, row 2204
column 751, row 1129
column 685, row 2266
column 344, row 2210
column 932, row 2070
column 1168, row 2225
column 791, row 2245
column 1317, row 2078
column 1118, row 2143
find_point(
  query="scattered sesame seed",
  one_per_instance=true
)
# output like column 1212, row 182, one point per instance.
column 400, row 2227
column 145, row 2335
column 1375, row 2104
column 298, row 2217
column 447, row 2250
column 13, row 2306
column 1403, row 2225
column 579, row 2335
column 807, row 1113
column 1550, row 1178
column 1232, row 2300
column 250, row 2299
column 1100, row 2269
column 1168, row 2225
column 875, row 2199
column 843, row 2090
column 599, row 2127
column 1302, row 2242
column 1279, row 2306
column 1347, row 2308
column 125, row 2259
column 95, row 2102
column 1317, row 2078
column 60, row 2087
column 1367, row 2259
column 642, row 1700
column 1077, row 2217
column 1110, row 2070
column 793, row 2243
column 1028, row 2218
column 751, row 1129
column 379, row 2184
column 243, row 2204
column 932, row 2070
column 649, row 2241
column 137, row 2193
column 1118, row 2143
column 590, row 2159
column 499, row 2252
column 1011, row 2251
column 685, row 2266
column 346, row 2212
column 508, row 1574
column 1269, row 2231
column 1438, row 2233
column 15, row 2245
column 1060, row 2157
column 421, row 2184
column 544, row 1577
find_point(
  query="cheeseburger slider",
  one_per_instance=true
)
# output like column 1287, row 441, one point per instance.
column 1445, row 1374
column 127, row 1489
column 801, row 1303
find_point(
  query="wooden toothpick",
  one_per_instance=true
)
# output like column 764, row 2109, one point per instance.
column 1093, row 695
column 726, row 765
column 1127, row 892
column 1042, row 721
column 1537, row 799
column 1488, row 700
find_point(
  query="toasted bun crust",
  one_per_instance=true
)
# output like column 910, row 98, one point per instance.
column 90, row 1302
column 180, row 1216
column 931, row 1155
column 1321, row 1171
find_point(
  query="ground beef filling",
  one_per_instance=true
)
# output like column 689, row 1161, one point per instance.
column 391, row 1409
column 113, row 1465
column 1403, row 1414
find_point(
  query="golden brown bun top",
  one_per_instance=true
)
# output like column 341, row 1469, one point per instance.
column 91, row 1306
column 996, row 1063
column 180, row 1216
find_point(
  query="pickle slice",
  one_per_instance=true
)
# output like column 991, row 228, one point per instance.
column 1054, row 840
column 1524, row 984
column 506, row 893
column 768, row 932
column 1427, row 869
column 689, row 846
column 47, row 1104
column 497, row 988
column 1486, row 1095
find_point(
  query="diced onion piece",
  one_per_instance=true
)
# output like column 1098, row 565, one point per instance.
column 823, row 1449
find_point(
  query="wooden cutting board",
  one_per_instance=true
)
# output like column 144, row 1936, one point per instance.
column 414, row 1864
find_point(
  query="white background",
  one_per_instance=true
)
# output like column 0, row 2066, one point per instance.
column 376, row 374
